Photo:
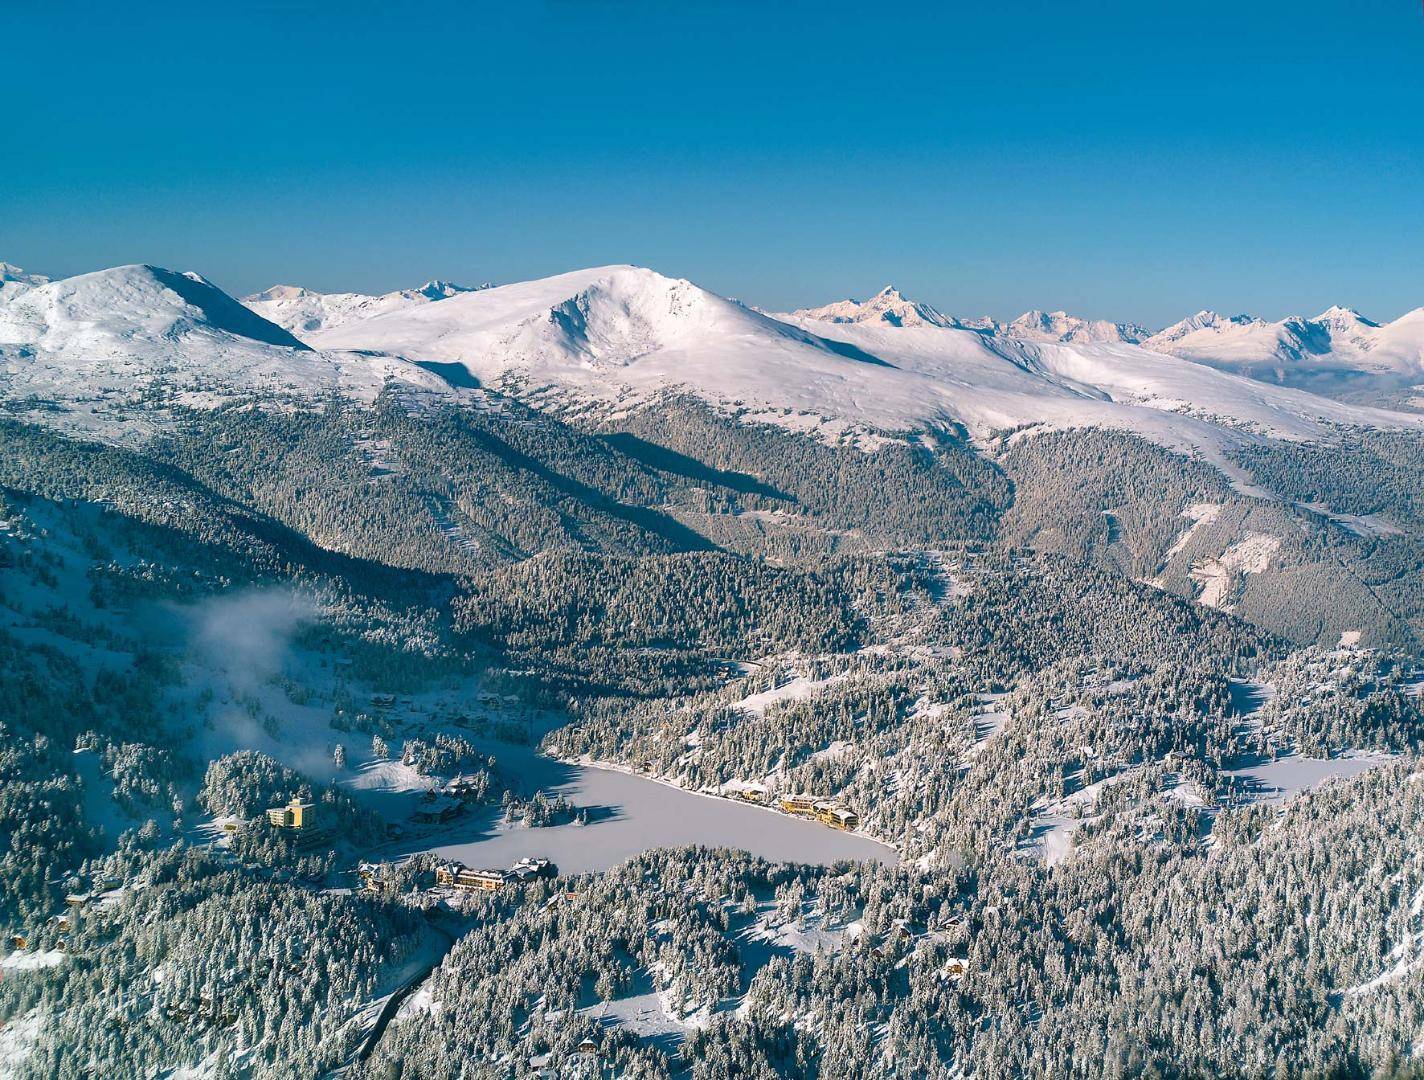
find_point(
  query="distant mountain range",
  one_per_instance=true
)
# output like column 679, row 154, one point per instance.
column 303, row 311
column 1292, row 350
column 622, row 333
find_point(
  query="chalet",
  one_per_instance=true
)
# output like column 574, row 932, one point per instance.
column 438, row 810
column 383, row 701
column 752, row 793
column 465, row 786
column 528, row 869
column 371, row 876
column 458, row 876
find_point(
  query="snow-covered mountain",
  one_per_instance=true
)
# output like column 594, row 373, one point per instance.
column 92, row 350
column 100, row 343
column 1060, row 326
column 618, row 332
column 303, row 311
column 14, row 281
column 887, row 306
column 1337, row 342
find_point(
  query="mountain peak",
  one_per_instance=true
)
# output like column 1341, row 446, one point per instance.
column 1337, row 317
column 1060, row 326
column 14, row 281
column 305, row 311
column 889, row 306
column 140, row 301
column 435, row 289
column 278, row 292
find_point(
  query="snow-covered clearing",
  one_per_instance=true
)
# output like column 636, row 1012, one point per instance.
column 796, row 689
column 645, row 1015
column 26, row 960
column 1286, row 777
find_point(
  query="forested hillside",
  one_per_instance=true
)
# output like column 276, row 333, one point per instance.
column 1137, row 724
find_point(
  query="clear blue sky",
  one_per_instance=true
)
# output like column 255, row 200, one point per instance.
column 1133, row 160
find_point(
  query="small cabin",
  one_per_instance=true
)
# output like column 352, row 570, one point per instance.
column 371, row 877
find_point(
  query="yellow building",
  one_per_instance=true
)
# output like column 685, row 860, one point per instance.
column 801, row 805
column 461, row 877
column 295, row 815
column 837, row 817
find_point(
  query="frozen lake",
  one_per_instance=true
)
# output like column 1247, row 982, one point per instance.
column 630, row 814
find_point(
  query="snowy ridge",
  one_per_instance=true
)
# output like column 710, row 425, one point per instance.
column 620, row 332
column 1338, row 340
column 303, row 311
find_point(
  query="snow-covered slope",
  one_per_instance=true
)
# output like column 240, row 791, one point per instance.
column 86, row 350
column 1337, row 341
column 617, row 332
column 303, row 311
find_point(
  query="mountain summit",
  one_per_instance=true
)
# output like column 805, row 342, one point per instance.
column 888, row 306
column 1337, row 343
column 1060, row 326
column 132, row 304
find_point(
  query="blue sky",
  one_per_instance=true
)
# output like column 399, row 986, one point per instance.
column 1127, row 160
